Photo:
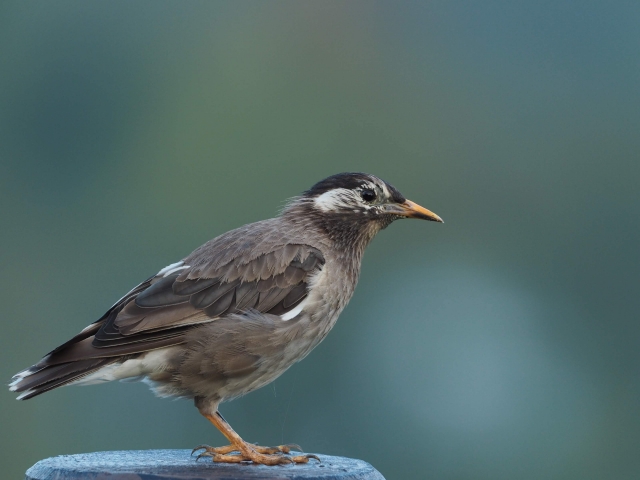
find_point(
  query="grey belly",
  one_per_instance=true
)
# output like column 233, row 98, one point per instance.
column 230, row 357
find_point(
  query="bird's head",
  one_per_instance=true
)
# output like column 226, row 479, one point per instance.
column 357, row 203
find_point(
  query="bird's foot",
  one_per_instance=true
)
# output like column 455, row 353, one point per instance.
column 253, row 453
column 232, row 448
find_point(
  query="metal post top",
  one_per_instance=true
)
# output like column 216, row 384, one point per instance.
column 179, row 464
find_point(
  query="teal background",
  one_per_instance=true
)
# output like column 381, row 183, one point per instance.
column 500, row 345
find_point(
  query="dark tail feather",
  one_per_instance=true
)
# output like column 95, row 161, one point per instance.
column 37, row 380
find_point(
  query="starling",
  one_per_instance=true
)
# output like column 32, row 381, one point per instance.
column 236, row 313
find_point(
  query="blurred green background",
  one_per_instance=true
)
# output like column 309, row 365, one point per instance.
column 500, row 345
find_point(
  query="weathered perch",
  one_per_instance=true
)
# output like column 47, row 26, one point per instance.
column 180, row 465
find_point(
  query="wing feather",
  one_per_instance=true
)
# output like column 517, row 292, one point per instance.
column 221, row 305
column 160, row 294
column 158, row 312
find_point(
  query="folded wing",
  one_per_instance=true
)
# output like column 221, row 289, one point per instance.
column 159, row 311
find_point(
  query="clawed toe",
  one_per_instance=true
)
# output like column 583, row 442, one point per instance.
column 290, row 446
column 204, row 454
column 305, row 458
column 279, row 449
column 200, row 447
column 211, row 450
column 219, row 454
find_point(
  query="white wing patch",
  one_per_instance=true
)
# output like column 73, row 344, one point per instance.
column 174, row 267
column 295, row 312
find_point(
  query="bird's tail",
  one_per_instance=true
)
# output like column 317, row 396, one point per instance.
column 41, row 377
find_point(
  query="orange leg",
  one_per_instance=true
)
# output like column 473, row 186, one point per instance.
column 247, row 451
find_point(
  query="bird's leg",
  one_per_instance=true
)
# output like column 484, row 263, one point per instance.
column 247, row 451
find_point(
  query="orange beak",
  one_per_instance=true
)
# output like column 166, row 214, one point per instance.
column 413, row 210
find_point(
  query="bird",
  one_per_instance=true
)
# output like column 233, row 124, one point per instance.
column 237, row 312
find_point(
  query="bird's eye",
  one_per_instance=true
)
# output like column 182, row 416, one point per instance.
column 368, row 195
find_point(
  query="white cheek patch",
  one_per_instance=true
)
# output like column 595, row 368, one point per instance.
column 342, row 198
column 334, row 200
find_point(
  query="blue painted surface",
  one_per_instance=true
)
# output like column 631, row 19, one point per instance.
column 179, row 464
